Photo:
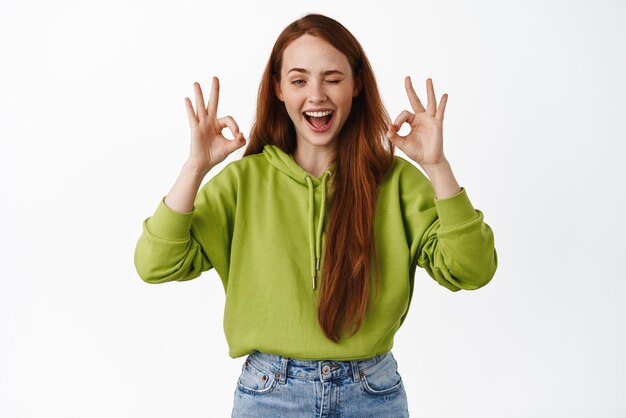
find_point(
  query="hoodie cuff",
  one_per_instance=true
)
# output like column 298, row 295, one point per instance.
column 455, row 210
column 166, row 223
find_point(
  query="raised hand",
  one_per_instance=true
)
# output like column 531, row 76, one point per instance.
column 424, row 143
column 208, row 146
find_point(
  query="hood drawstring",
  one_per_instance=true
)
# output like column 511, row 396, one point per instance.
column 315, row 242
column 286, row 164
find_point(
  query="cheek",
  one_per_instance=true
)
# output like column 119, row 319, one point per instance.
column 293, row 109
column 346, row 98
column 292, row 101
column 347, row 104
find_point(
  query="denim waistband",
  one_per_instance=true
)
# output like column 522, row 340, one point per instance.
column 283, row 367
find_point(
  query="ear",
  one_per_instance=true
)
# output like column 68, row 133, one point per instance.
column 278, row 91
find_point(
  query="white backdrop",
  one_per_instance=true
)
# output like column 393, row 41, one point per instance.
column 94, row 131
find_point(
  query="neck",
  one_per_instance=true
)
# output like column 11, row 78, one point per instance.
column 314, row 159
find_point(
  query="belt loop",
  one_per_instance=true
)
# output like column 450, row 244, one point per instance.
column 283, row 369
column 355, row 370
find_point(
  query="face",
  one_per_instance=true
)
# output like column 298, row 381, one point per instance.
column 317, row 87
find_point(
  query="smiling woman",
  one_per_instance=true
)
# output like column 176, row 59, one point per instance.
column 317, row 231
column 317, row 86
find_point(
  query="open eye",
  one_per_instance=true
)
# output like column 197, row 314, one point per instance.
column 297, row 82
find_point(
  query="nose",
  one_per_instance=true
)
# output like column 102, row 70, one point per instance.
column 317, row 92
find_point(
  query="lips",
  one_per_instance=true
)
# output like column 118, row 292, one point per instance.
column 319, row 121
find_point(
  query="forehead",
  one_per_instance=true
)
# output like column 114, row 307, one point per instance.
column 314, row 54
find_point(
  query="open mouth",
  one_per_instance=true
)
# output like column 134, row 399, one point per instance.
column 319, row 121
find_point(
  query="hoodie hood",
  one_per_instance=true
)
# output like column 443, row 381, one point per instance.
column 285, row 163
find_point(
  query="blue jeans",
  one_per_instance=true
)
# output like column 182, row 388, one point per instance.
column 276, row 386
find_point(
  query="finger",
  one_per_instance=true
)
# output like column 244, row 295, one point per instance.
column 238, row 142
column 392, row 135
column 200, row 110
column 432, row 101
column 416, row 104
column 391, row 130
column 403, row 117
column 442, row 107
column 229, row 122
column 214, row 97
column 193, row 119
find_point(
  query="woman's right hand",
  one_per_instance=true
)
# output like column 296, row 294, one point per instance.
column 208, row 146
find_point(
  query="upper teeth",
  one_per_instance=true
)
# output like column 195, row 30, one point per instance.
column 318, row 114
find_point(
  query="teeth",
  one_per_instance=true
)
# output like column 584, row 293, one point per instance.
column 318, row 114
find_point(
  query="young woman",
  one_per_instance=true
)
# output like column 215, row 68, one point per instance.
column 317, row 231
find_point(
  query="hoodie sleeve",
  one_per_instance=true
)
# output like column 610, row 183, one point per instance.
column 178, row 246
column 447, row 237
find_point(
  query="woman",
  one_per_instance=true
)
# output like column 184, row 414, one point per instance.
column 317, row 231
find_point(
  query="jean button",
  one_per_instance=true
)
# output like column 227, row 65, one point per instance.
column 326, row 369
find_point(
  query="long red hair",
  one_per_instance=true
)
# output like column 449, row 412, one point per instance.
column 363, row 157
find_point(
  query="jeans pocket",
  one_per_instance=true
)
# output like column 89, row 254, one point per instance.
column 382, row 378
column 255, row 381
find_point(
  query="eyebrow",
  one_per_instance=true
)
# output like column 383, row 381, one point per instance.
column 302, row 70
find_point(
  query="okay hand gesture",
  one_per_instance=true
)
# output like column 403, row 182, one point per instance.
column 208, row 146
column 424, row 144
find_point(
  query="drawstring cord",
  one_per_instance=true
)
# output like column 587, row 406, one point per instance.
column 311, row 221
column 315, row 241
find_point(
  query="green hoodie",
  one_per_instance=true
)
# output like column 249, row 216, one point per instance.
column 259, row 222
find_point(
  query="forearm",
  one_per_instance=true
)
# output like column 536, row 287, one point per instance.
column 183, row 194
column 443, row 180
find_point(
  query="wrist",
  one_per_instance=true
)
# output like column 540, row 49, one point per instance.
column 196, row 170
column 440, row 167
column 442, row 179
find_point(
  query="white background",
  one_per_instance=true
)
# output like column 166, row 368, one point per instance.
column 94, row 132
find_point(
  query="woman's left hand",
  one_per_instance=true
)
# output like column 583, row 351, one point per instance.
column 424, row 144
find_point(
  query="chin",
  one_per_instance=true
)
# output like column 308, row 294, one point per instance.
column 319, row 142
